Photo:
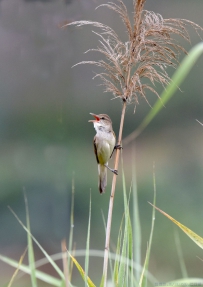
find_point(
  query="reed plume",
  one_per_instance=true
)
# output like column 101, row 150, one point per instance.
column 149, row 49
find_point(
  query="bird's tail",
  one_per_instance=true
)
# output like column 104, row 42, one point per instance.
column 102, row 178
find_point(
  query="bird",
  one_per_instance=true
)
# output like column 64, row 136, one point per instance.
column 104, row 146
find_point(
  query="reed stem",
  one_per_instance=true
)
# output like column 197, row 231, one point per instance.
column 111, row 201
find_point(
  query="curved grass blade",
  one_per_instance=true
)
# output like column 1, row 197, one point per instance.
column 195, row 237
column 82, row 272
column 58, row 270
column 26, row 269
column 178, row 77
column 98, row 254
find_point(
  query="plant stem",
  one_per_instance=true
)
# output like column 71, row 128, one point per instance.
column 113, row 187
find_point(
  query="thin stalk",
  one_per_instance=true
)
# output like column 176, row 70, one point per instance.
column 111, row 201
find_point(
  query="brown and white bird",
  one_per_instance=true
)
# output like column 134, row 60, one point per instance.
column 104, row 145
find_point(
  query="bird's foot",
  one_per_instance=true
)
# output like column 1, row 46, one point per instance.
column 118, row 146
column 115, row 171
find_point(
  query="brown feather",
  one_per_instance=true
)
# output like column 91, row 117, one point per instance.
column 95, row 149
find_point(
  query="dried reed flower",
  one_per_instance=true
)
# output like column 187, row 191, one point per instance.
column 148, row 51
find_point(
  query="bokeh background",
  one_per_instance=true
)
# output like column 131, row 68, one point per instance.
column 46, row 140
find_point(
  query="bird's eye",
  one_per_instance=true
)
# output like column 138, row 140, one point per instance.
column 103, row 118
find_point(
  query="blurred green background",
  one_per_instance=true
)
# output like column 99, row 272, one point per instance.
column 45, row 137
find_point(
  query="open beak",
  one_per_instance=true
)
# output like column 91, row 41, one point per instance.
column 97, row 119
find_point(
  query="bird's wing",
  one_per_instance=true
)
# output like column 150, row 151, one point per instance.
column 95, row 149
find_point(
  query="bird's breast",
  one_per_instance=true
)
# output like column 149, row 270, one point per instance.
column 105, row 145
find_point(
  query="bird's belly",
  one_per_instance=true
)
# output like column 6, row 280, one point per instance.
column 104, row 152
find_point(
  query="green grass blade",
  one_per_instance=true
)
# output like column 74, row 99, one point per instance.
column 124, row 265
column 178, row 77
column 118, row 253
column 102, row 282
column 26, row 269
column 144, row 283
column 143, row 270
column 31, row 257
column 60, row 273
column 180, row 255
column 87, row 246
column 104, row 223
column 130, row 252
column 136, row 220
column 70, row 245
column 200, row 123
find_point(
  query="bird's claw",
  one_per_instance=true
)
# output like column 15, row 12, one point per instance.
column 118, row 146
column 115, row 171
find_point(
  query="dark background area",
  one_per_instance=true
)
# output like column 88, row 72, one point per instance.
column 46, row 140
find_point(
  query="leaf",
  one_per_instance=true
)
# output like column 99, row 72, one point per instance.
column 31, row 257
column 136, row 219
column 122, row 268
column 200, row 123
column 144, row 269
column 60, row 273
column 88, row 244
column 180, row 255
column 195, row 237
column 102, row 282
column 70, row 246
column 117, row 259
column 17, row 269
column 143, row 280
column 39, row 274
column 82, row 272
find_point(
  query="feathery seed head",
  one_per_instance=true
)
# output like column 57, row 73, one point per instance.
column 150, row 48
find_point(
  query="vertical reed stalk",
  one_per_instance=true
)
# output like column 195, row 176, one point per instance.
column 111, row 201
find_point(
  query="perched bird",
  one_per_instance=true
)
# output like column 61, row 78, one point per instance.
column 104, row 145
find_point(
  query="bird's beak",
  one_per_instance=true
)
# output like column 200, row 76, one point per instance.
column 97, row 119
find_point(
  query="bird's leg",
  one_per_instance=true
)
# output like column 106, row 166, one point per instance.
column 111, row 169
column 118, row 146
